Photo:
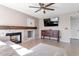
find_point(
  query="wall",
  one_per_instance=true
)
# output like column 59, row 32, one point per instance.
column 64, row 26
column 42, row 27
column 12, row 17
column 37, row 30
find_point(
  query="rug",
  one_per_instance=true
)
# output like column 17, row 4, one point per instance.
column 46, row 50
column 8, row 48
column 11, row 49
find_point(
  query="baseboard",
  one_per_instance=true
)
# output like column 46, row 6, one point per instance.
column 66, row 41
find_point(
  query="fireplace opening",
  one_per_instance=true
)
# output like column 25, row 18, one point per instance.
column 30, row 34
column 15, row 37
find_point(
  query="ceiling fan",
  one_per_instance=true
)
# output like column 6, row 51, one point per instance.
column 43, row 7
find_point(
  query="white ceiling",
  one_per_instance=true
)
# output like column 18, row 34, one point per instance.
column 60, row 8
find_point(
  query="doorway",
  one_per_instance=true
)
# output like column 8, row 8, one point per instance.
column 74, row 42
column 74, row 22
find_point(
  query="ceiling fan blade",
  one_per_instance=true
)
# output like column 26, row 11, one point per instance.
column 33, row 7
column 49, row 9
column 38, row 10
column 49, row 4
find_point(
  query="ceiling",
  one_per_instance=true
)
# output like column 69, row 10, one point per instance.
column 60, row 8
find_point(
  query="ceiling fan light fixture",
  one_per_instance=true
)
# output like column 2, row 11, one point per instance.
column 44, row 7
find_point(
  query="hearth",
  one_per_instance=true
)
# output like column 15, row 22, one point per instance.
column 15, row 37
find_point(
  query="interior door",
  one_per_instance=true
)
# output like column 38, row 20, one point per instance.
column 74, row 27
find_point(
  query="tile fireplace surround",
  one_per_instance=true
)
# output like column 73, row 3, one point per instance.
column 15, row 37
column 24, row 34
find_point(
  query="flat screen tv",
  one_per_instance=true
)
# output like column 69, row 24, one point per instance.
column 51, row 22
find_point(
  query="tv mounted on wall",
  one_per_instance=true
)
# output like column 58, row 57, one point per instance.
column 51, row 22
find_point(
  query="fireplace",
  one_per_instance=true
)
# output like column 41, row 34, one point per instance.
column 30, row 34
column 15, row 37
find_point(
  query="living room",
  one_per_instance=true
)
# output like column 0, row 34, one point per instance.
column 25, row 31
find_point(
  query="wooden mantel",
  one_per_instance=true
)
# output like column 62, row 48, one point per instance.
column 16, row 27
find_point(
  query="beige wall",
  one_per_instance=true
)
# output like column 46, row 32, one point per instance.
column 12, row 17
